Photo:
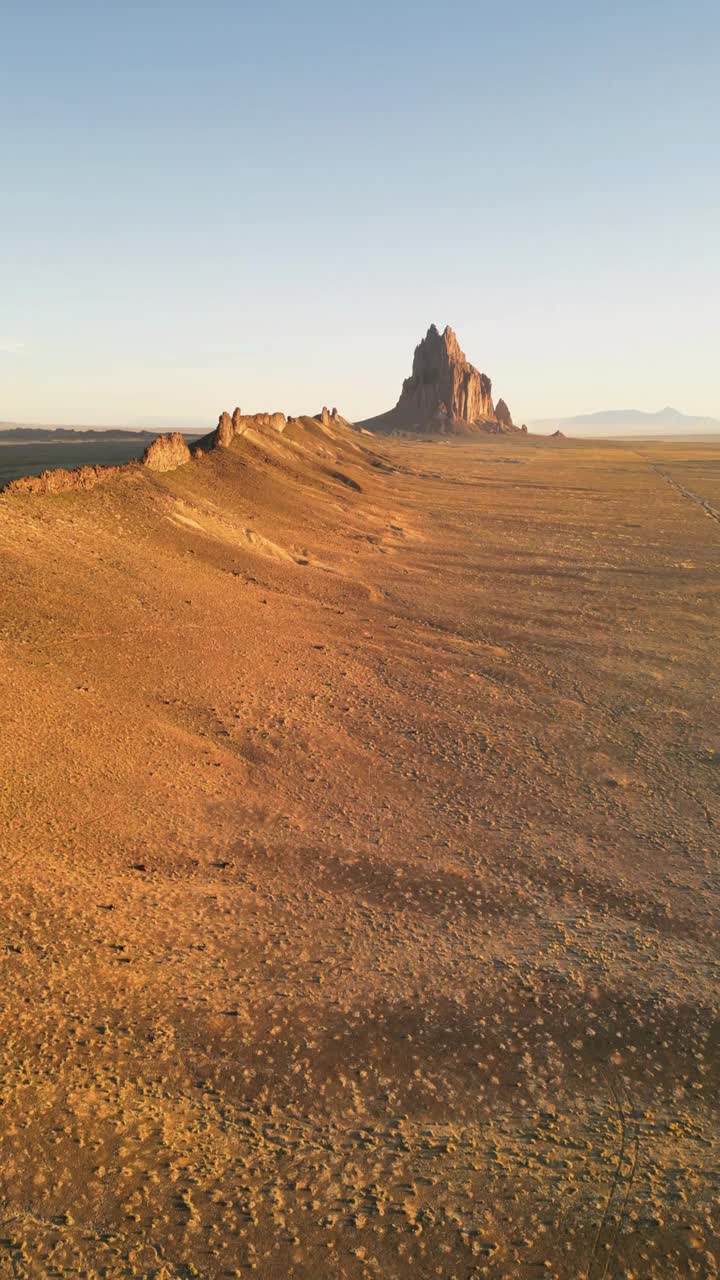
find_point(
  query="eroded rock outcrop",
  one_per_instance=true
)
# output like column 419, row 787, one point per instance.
column 225, row 431
column 63, row 481
column 164, row 453
column 228, row 428
column 503, row 414
column 167, row 452
column 444, row 393
column 443, row 385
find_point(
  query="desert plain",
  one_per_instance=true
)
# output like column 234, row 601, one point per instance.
column 359, row 849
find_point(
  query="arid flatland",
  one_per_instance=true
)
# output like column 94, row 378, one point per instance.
column 359, row 836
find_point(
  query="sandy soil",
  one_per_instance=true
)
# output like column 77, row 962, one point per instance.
column 359, row 856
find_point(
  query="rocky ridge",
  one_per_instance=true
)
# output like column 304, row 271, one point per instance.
column 60, row 480
column 167, row 452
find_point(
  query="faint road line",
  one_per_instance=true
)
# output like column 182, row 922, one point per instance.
column 707, row 507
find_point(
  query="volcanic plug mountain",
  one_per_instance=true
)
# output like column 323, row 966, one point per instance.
column 444, row 393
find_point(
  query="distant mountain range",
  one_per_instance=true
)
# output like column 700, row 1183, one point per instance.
column 628, row 422
column 15, row 433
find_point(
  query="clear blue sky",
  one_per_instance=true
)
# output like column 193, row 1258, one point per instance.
column 213, row 203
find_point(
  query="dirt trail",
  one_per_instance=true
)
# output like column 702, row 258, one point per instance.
column 707, row 506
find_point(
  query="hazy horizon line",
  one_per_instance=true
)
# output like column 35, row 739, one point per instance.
column 169, row 422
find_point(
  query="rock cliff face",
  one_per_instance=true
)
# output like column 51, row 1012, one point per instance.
column 443, row 384
column 444, row 393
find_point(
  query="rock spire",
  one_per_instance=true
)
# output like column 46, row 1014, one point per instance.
column 444, row 393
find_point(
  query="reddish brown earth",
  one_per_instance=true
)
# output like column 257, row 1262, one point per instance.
column 359, row 847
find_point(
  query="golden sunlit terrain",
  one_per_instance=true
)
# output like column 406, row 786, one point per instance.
column 359, row 852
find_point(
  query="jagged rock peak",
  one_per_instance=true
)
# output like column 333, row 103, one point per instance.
column 444, row 393
column 225, row 431
column 167, row 452
column 444, row 387
column 503, row 414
